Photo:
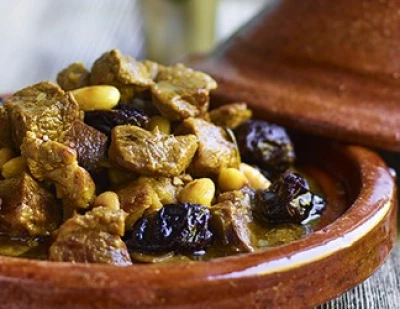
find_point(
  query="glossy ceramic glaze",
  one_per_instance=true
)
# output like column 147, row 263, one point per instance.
column 327, row 67
column 297, row 275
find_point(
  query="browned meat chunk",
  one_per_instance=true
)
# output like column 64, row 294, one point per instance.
column 92, row 238
column 181, row 92
column 147, row 193
column 55, row 162
column 231, row 218
column 73, row 77
column 5, row 129
column 135, row 198
column 152, row 68
column 151, row 153
column 166, row 189
column 215, row 151
column 44, row 109
column 90, row 144
column 230, row 115
column 122, row 71
column 27, row 209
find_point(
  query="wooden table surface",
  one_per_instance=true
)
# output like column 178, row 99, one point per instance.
column 380, row 291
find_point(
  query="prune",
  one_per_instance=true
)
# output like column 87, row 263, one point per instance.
column 105, row 121
column 266, row 145
column 180, row 228
column 1, row 100
column 290, row 200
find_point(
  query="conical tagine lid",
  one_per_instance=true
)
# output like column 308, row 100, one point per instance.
column 326, row 67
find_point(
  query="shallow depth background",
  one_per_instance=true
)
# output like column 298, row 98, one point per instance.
column 40, row 37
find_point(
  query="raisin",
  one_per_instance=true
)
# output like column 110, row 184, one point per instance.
column 266, row 145
column 105, row 121
column 290, row 200
column 180, row 228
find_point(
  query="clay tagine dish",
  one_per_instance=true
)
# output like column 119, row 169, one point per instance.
column 300, row 274
column 348, row 188
column 313, row 66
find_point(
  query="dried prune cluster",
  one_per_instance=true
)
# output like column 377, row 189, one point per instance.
column 266, row 145
column 106, row 120
column 181, row 228
column 289, row 199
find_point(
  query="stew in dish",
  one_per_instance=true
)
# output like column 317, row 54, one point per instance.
column 125, row 164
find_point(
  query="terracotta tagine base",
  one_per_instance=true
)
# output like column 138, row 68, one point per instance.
column 301, row 274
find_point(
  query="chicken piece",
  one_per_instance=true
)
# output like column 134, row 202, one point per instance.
column 181, row 92
column 215, row 151
column 5, row 129
column 57, row 163
column 147, row 193
column 90, row 144
column 94, row 237
column 27, row 208
column 124, row 72
column 73, row 77
column 44, row 109
column 230, row 115
column 151, row 153
column 231, row 218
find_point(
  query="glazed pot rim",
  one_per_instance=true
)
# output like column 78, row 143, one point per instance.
column 373, row 203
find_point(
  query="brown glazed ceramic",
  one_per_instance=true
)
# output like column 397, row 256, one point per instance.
column 327, row 67
column 300, row 274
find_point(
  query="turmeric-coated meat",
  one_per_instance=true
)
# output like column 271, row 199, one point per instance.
column 27, row 208
column 215, row 151
column 73, row 77
column 94, row 237
column 124, row 72
column 57, row 163
column 230, row 115
column 231, row 219
column 147, row 193
column 151, row 153
column 181, row 92
column 44, row 109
